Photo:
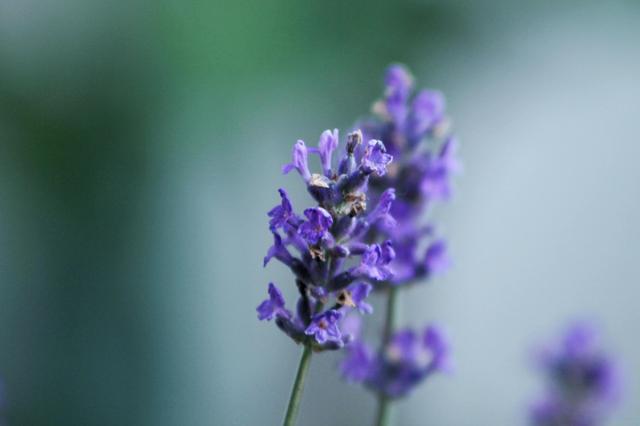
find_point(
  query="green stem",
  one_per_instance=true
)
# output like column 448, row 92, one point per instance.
column 390, row 315
column 384, row 410
column 298, row 386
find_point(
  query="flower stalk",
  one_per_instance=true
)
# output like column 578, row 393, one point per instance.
column 383, row 413
column 298, row 387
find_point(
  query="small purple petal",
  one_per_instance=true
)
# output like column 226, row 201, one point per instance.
column 374, row 262
column 273, row 306
column 282, row 216
column 324, row 327
column 326, row 145
column 318, row 223
column 300, row 161
column 279, row 251
column 375, row 158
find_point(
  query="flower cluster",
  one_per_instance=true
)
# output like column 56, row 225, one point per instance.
column 404, row 362
column 327, row 247
column 415, row 130
column 583, row 382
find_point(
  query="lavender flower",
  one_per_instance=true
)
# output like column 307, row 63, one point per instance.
column 324, row 327
column 407, row 360
column 330, row 249
column 317, row 225
column 416, row 132
column 583, row 381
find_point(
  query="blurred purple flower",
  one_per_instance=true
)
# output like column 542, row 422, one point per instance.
column 406, row 361
column 416, row 132
column 583, row 381
column 324, row 327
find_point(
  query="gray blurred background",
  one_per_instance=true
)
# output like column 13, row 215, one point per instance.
column 140, row 147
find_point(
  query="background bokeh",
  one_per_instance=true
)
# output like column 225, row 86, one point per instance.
column 140, row 147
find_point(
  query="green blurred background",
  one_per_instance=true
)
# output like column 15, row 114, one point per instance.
column 140, row 147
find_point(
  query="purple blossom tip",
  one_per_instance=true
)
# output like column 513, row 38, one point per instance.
column 398, row 78
column 326, row 145
column 352, row 325
column 300, row 161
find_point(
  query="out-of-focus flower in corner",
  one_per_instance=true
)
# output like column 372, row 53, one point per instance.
column 583, row 381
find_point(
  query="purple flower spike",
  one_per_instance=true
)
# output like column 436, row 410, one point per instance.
column 413, row 131
column 398, row 79
column 318, row 223
column 375, row 158
column 324, row 327
column 436, row 259
column 300, row 161
column 273, row 306
column 335, row 233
